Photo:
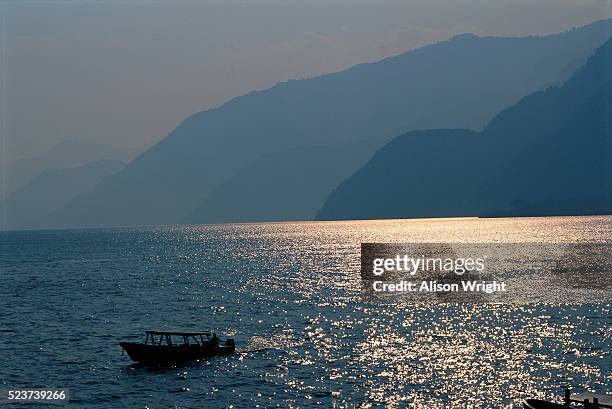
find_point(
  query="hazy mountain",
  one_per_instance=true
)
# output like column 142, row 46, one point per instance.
column 51, row 189
column 549, row 154
column 462, row 82
column 66, row 154
column 286, row 185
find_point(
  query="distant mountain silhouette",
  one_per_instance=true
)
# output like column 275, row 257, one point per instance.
column 51, row 189
column 549, row 154
column 66, row 154
column 287, row 185
column 462, row 82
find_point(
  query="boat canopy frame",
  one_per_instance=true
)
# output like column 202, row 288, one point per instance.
column 167, row 336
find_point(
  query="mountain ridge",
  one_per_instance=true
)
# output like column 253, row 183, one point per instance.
column 372, row 101
column 549, row 154
column 51, row 189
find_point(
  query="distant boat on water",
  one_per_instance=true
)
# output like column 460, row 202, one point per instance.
column 590, row 401
column 160, row 347
column 542, row 404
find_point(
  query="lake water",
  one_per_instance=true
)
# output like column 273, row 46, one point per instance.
column 293, row 292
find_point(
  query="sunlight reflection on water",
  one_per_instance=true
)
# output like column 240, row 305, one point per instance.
column 291, row 294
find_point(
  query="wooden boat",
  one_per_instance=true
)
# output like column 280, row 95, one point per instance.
column 590, row 401
column 160, row 347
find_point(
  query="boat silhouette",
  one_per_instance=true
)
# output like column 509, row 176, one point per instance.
column 160, row 347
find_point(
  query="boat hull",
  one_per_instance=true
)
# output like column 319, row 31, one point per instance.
column 164, row 354
column 541, row 404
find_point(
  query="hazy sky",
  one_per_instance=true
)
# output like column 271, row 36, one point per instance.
column 124, row 73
